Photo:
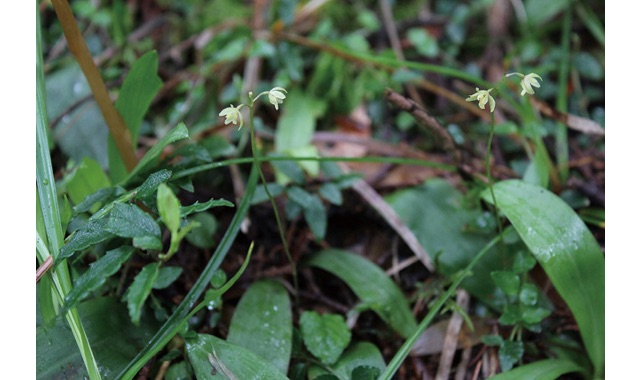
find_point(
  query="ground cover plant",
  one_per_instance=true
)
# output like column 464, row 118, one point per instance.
column 320, row 190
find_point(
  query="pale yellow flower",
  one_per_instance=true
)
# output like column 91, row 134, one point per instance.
column 276, row 96
column 483, row 96
column 527, row 82
column 232, row 115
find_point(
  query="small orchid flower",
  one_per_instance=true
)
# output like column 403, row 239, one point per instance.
column 276, row 96
column 483, row 96
column 527, row 81
column 232, row 115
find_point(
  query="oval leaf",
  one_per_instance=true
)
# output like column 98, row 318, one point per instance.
column 213, row 358
column 127, row 220
column 567, row 251
column 169, row 208
column 371, row 285
column 325, row 336
column 262, row 323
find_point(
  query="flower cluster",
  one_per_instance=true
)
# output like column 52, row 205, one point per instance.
column 232, row 114
column 527, row 82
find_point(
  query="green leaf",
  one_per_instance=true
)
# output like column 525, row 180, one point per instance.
column 529, row 294
column 208, row 353
column 331, row 192
column 96, row 275
column 567, row 251
column 140, row 290
column 424, row 43
column 508, row 282
column 540, row 11
column 199, row 207
column 148, row 243
column 85, row 180
column 169, row 208
column 166, row 276
column 325, row 336
column 150, row 185
column 99, row 197
column 313, row 209
column 202, row 236
column 537, row 172
column 91, row 233
column 549, row 369
column 371, row 284
column 179, row 371
column 446, row 236
column 180, row 132
column 260, row 195
column 492, row 340
column 138, row 90
column 509, row 353
column 361, row 359
column 113, row 338
column 262, row 323
column 127, row 220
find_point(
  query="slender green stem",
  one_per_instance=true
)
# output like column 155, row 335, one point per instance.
column 489, row 178
column 404, row 351
column 256, row 155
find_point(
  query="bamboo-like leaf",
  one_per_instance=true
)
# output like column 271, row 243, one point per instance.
column 262, row 323
column 91, row 233
column 140, row 290
column 149, row 186
column 138, row 90
column 180, row 132
column 371, row 285
column 210, row 355
column 97, row 274
column 567, row 251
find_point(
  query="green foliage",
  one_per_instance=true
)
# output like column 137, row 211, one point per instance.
column 158, row 234
column 325, row 336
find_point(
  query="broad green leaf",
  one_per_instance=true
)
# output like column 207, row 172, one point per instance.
column 314, row 212
column 371, row 284
column 550, row 369
column 96, row 275
column 358, row 357
column 169, row 208
column 166, row 276
column 91, row 233
column 180, row 132
column 208, row 353
column 262, row 323
column 138, row 90
column 149, row 186
column 508, row 282
column 325, row 336
column 541, row 11
column 85, row 180
column 199, row 207
column 113, row 338
column 529, row 294
column 140, row 290
column 202, row 236
column 179, row 371
column 127, row 220
column 566, row 249
column 509, row 353
column 437, row 214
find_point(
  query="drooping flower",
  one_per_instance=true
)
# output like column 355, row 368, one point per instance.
column 483, row 96
column 276, row 96
column 232, row 115
column 527, row 82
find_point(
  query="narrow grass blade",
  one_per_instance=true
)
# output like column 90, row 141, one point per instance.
column 48, row 200
column 568, row 252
